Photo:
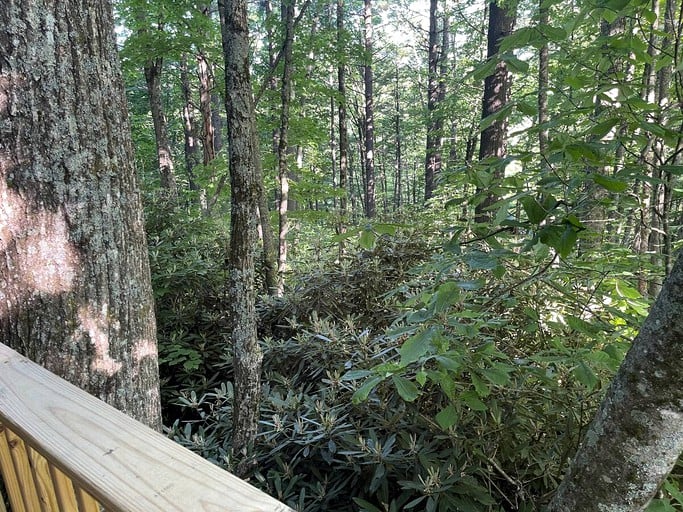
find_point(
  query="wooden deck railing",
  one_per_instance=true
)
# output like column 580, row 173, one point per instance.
column 62, row 450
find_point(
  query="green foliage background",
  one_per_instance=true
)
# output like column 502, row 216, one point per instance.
column 421, row 360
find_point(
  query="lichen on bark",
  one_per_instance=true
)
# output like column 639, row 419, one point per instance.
column 77, row 295
column 637, row 434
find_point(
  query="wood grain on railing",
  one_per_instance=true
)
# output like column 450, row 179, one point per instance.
column 63, row 450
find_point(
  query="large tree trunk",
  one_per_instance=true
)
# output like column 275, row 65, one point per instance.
column 75, row 294
column 435, row 95
column 637, row 434
column 153, row 69
column 493, row 142
column 369, row 125
column 245, row 180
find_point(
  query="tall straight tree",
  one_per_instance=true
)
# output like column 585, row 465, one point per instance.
column 191, row 149
column 342, row 124
column 493, row 141
column 153, row 69
column 435, row 94
column 246, row 189
column 369, row 121
column 76, row 294
column 283, row 140
column 542, row 99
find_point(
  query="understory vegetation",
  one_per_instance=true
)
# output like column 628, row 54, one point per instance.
column 408, row 374
column 474, row 207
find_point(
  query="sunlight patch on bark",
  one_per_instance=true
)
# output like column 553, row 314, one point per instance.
column 43, row 260
column 96, row 325
column 144, row 348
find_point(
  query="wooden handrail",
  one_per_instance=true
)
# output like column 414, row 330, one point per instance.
column 64, row 450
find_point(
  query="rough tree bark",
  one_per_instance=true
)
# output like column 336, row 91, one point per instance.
column 435, row 95
column 189, row 129
column 543, row 62
column 153, row 69
column 283, row 142
column 637, row 434
column 245, row 181
column 75, row 294
column 493, row 142
column 369, row 124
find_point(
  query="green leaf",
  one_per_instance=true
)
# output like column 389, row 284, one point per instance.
column 496, row 376
column 610, row 183
column 518, row 39
column 673, row 169
column 478, row 260
column 672, row 488
column 406, row 389
column 447, row 417
column 554, row 34
column 484, row 69
column 362, row 393
column 585, row 375
column 480, row 386
column 416, row 346
column 527, row 108
column 625, row 291
column 561, row 238
column 367, row 239
column 471, row 285
column 567, row 241
column 365, row 506
column 472, row 401
column 603, row 128
column 386, row 229
column 533, row 209
column 450, row 362
column 582, row 326
column 516, row 65
column 355, row 375
column 658, row 505
column 446, row 295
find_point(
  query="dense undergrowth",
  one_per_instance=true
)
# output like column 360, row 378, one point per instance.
column 404, row 377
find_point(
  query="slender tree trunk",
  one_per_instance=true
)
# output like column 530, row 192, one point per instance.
column 205, row 85
column 660, row 202
column 398, row 191
column 246, row 184
column 543, row 61
column 647, row 158
column 76, row 294
column 343, row 124
column 493, row 140
column 369, row 125
column 435, row 95
column 637, row 434
column 283, row 177
column 153, row 69
column 269, row 255
column 217, row 121
column 189, row 129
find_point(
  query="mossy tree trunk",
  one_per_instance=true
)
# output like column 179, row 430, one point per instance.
column 75, row 293
column 246, row 184
column 637, row 434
